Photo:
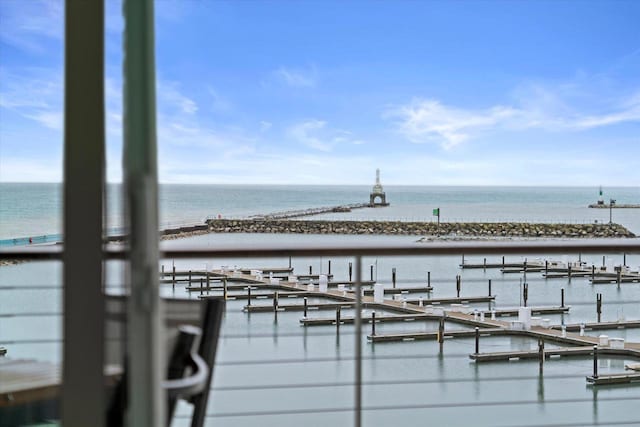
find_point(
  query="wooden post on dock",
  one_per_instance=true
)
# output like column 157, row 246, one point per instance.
column 441, row 333
column 489, row 287
column 428, row 279
column 546, row 267
column 329, row 273
column 224, row 288
column 338, row 317
column 458, row 285
column 599, row 306
column 484, row 263
column 310, row 270
column 371, row 272
column 249, row 295
column 289, row 261
column 201, row 286
column 595, row 361
column 619, row 276
column 525, row 266
column 477, row 340
column 350, row 271
column 593, row 272
column 305, row 307
column 189, row 277
column 373, row 323
column 173, row 280
column 275, row 301
column 541, row 354
column 462, row 259
column 624, row 259
column 603, row 260
column 502, row 261
column 569, row 272
column 393, row 277
column 562, row 297
column 525, row 293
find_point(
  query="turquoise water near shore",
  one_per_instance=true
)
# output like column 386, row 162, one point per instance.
column 270, row 368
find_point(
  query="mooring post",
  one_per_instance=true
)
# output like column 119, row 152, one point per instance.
column 580, row 258
column 489, row 287
column 562, row 297
column 525, row 293
column 371, row 272
column 310, row 270
column 477, row 340
column 619, row 276
column 275, row 301
column 595, row 361
column 428, row 279
column 350, row 271
column 189, row 277
column 338, row 317
column 208, row 281
column 502, row 261
column 441, row 332
column 593, row 272
column 329, row 273
column 624, row 259
column 525, row 266
column 393, row 277
column 289, row 261
column 201, row 289
column 173, row 280
column 462, row 259
column 541, row 354
column 249, row 295
column 484, row 263
column 599, row 306
column 603, row 260
column 305, row 307
column 569, row 272
column 224, row 288
column 373, row 323
column 458, row 285
column 546, row 268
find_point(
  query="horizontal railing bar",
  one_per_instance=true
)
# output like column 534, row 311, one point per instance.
column 441, row 405
column 630, row 246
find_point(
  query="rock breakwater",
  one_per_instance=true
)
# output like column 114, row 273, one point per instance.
column 483, row 229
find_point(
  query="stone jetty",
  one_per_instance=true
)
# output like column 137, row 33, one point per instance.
column 461, row 229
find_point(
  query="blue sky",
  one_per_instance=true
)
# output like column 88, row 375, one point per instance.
column 432, row 92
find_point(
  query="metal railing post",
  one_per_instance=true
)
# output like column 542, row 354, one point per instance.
column 358, row 345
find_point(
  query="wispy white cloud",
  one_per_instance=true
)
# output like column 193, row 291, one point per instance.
column 429, row 120
column 316, row 134
column 219, row 103
column 28, row 25
column 265, row 125
column 300, row 78
column 170, row 97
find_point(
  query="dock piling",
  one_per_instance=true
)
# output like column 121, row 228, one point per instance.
column 546, row 267
column 329, row 273
column 305, row 307
column 603, row 260
column 595, row 361
column 189, row 277
column 489, row 287
column 338, row 318
column 541, row 354
column 393, row 277
column 458, row 285
column 599, row 306
column 477, row 340
column 462, row 259
column 525, row 293
column 624, row 259
column 428, row 279
column 484, row 264
column 619, row 277
column 569, row 272
column 593, row 272
column 310, row 270
column 371, row 272
column 224, row 288
column 350, row 271
column 562, row 297
column 373, row 323
column 173, row 279
column 275, row 301
column 502, row 261
column 289, row 261
column 248, row 295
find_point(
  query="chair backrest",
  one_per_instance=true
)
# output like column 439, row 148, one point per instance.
column 198, row 323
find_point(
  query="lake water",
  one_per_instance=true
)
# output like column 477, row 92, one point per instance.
column 273, row 371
